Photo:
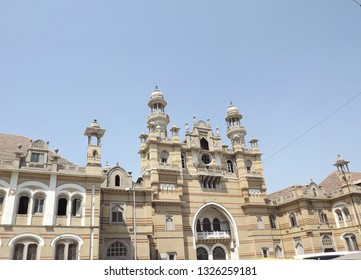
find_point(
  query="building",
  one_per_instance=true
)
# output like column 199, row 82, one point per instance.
column 49, row 207
column 197, row 198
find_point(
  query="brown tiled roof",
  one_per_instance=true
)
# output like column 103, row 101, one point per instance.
column 282, row 192
column 330, row 184
column 9, row 144
column 333, row 182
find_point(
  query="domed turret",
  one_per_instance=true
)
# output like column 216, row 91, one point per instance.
column 235, row 131
column 156, row 94
column 157, row 116
column 233, row 111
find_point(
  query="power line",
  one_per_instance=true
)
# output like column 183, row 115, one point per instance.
column 313, row 127
column 357, row 3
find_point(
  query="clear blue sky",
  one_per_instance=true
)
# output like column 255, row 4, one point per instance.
column 286, row 65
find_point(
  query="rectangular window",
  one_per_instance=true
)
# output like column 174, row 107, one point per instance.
column 117, row 217
column 38, row 206
column 1, row 202
column 37, row 157
column 116, row 213
column 265, row 252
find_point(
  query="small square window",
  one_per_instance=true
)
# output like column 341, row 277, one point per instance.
column 37, row 157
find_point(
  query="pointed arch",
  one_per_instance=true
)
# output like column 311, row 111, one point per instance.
column 204, row 144
column 225, row 212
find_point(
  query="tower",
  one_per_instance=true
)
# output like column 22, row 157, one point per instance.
column 248, row 161
column 95, row 134
column 158, row 119
column 235, row 131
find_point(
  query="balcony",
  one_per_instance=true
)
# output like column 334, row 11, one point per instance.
column 211, row 235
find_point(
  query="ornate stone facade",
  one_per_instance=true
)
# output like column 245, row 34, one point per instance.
column 196, row 198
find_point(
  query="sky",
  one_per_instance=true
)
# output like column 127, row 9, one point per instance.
column 293, row 69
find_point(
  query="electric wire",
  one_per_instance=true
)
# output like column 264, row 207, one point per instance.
column 313, row 127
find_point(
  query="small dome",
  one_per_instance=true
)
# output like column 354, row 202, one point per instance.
column 232, row 110
column 156, row 94
column 95, row 124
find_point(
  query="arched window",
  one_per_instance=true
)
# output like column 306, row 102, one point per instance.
column 327, row 241
column 117, row 180
column 248, row 165
column 76, row 207
column 117, row 249
column 18, row 252
column 38, row 205
column 278, row 251
column 202, row 254
column 169, row 223
column 199, row 228
column 260, row 223
column 230, row 166
column 219, row 253
column 66, row 249
column 298, row 246
column 339, row 215
column 293, row 221
column 23, row 204
column 164, row 156
column 272, row 221
column 25, row 250
column 207, row 225
column 323, row 217
column 204, row 144
column 95, row 154
column 62, row 206
column 346, row 213
column 351, row 242
column 216, row 224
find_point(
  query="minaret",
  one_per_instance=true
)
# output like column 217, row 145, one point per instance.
column 93, row 163
column 158, row 119
column 235, row 131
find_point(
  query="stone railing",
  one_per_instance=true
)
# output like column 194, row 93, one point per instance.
column 210, row 171
column 224, row 234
